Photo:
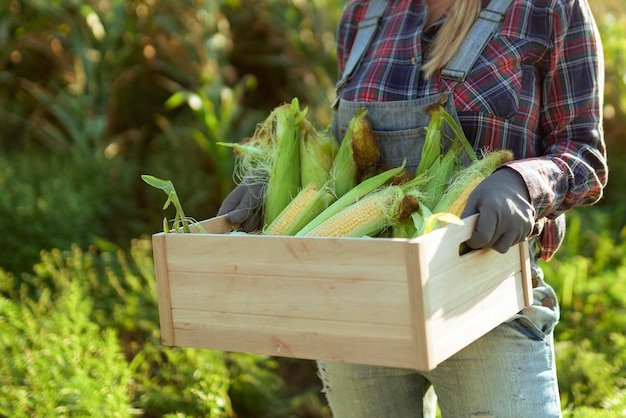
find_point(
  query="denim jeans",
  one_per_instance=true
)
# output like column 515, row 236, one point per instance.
column 507, row 373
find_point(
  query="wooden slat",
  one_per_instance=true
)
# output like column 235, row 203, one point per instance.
column 527, row 281
column 164, row 301
column 326, row 340
column 287, row 256
column 351, row 300
column 216, row 225
column 441, row 247
column 457, row 328
column 477, row 273
column 417, row 273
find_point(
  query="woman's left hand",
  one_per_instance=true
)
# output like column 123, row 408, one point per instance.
column 506, row 216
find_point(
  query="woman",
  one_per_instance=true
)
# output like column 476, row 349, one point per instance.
column 517, row 74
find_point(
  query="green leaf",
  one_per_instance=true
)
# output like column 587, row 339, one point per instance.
column 459, row 135
column 157, row 182
column 167, row 186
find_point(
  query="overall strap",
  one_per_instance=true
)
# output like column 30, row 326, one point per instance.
column 365, row 33
column 475, row 41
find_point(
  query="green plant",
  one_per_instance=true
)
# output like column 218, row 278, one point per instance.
column 180, row 220
column 96, row 55
column 57, row 361
column 288, row 48
column 256, row 386
column 47, row 203
column 172, row 380
column 117, row 295
column 109, row 69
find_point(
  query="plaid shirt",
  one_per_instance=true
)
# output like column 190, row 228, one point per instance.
column 536, row 89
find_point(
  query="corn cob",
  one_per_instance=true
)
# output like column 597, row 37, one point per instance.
column 283, row 182
column 353, row 195
column 405, row 227
column 364, row 145
column 309, row 202
column 458, row 203
column 468, row 178
column 357, row 155
column 368, row 216
column 432, row 142
column 459, row 150
column 410, row 203
column 317, row 152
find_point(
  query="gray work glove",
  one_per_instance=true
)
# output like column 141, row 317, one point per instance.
column 243, row 206
column 506, row 216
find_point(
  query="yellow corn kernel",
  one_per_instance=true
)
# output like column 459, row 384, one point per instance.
column 369, row 211
column 307, row 204
column 439, row 175
column 291, row 211
column 458, row 203
column 368, row 216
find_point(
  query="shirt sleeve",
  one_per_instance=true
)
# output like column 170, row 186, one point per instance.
column 572, row 170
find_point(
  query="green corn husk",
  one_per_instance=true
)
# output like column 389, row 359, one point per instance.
column 461, row 145
column 254, row 155
column 317, row 153
column 415, row 225
column 404, row 227
column 460, row 151
column 439, row 175
column 357, row 155
column 283, row 182
column 432, row 142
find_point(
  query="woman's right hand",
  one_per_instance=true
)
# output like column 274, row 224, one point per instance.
column 243, row 206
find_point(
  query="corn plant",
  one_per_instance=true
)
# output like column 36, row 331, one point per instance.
column 180, row 222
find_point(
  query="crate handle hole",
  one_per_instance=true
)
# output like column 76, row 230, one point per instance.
column 464, row 249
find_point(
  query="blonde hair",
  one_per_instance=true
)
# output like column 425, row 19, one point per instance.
column 461, row 17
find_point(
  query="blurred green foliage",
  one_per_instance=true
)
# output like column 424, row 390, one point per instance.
column 611, row 18
column 590, row 278
column 95, row 93
column 56, row 360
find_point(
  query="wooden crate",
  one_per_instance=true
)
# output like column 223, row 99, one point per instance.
column 389, row 302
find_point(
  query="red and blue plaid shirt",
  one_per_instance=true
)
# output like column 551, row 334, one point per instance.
column 536, row 89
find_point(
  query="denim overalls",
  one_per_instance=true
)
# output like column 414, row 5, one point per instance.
column 509, row 372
